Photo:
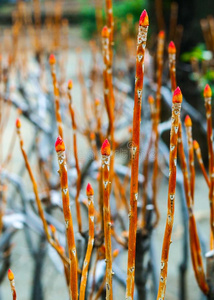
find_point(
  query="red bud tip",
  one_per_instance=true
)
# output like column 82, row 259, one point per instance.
column 161, row 34
column 59, row 145
column 70, row 84
column 115, row 253
column 18, row 123
column 105, row 32
column 52, row 59
column 195, row 145
column 106, row 148
column 10, row 275
column 144, row 19
column 151, row 99
column 52, row 228
column 89, row 190
column 207, row 91
column 171, row 48
column 188, row 121
column 177, row 96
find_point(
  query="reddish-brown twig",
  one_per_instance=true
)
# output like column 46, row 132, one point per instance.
column 141, row 44
column 160, row 50
column 188, row 125
column 110, row 24
column 12, row 283
column 200, row 161
column 151, row 102
column 52, row 61
column 176, row 107
column 74, row 127
column 207, row 99
column 36, row 193
column 195, row 248
column 105, row 151
column 172, row 65
column 60, row 150
column 108, row 91
column 90, row 195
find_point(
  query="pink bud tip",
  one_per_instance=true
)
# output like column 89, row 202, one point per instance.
column 70, row 84
column 188, row 121
column 144, row 19
column 18, row 123
column 161, row 34
column 10, row 275
column 89, row 190
column 106, row 148
column 151, row 99
column 105, row 32
column 171, row 48
column 177, row 96
column 195, row 145
column 59, row 145
column 207, row 91
column 52, row 59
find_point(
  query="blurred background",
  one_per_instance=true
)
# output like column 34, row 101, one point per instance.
column 71, row 29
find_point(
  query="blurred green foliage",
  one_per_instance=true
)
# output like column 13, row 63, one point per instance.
column 121, row 10
column 202, row 56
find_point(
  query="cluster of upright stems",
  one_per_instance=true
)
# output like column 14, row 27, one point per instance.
column 107, row 173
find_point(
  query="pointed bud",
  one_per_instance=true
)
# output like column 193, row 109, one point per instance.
column 89, row 190
column 52, row 228
column 177, row 96
column 97, row 102
column 161, row 34
column 188, row 121
column 151, row 99
column 115, row 253
column 105, row 32
column 106, row 148
column 171, row 48
column 207, row 91
column 52, row 59
column 70, row 84
column 92, row 136
column 195, row 145
column 59, row 145
column 10, row 275
column 18, row 123
column 144, row 19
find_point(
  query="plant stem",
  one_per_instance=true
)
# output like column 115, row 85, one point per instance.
column 105, row 151
column 200, row 161
column 160, row 50
column 195, row 248
column 12, row 283
column 60, row 150
column 37, row 198
column 141, row 44
column 74, row 127
column 90, row 195
column 176, row 107
column 207, row 99
column 188, row 125
column 52, row 61
column 172, row 65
